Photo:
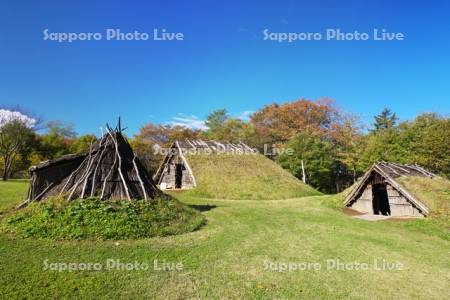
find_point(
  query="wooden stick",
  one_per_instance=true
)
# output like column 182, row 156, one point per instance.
column 45, row 190
column 139, row 177
column 120, row 167
column 95, row 172
column 82, row 177
column 107, row 176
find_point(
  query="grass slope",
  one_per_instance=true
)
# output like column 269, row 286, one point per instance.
column 225, row 259
column 433, row 192
column 58, row 219
column 225, row 176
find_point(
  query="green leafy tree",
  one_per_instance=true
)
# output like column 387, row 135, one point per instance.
column 387, row 145
column 424, row 141
column 16, row 139
column 216, row 119
column 319, row 160
column 429, row 142
column 385, row 120
column 235, row 130
column 350, row 144
column 58, row 140
column 82, row 143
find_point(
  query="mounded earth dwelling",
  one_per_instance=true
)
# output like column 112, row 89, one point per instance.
column 224, row 170
column 175, row 171
column 379, row 192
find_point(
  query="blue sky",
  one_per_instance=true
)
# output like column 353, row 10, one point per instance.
column 223, row 60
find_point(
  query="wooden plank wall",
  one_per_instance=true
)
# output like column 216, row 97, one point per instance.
column 399, row 205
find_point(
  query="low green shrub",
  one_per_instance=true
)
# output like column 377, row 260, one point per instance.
column 93, row 218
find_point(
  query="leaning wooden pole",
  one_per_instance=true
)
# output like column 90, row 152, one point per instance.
column 125, row 186
column 303, row 173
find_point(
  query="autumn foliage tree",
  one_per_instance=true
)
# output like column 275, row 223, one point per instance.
column 152, row 139
column 278, row 123
column 332, row 144
column 327, row 138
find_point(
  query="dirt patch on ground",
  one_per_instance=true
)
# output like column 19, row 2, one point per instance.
column 370, row 217
column 402, row 219
column 352, row 212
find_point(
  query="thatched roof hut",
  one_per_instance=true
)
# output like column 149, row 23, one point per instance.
column 110, row 170
column 380, row 191
column 213, row 169
column 175, row 171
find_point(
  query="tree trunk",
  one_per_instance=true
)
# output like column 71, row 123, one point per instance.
column 5, row 174
column 5, row 169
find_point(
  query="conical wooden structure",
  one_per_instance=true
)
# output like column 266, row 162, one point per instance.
column 379, row 192
column 110, row 170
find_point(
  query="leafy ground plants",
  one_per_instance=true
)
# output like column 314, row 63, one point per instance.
column 92, row 218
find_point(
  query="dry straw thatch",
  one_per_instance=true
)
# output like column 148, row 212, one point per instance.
column 110, row 170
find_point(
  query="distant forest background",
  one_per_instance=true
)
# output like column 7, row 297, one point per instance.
column 335, row 146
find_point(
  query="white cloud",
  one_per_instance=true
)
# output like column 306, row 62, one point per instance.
column 7, row 116
column 191, row 121
column 245, row 115
column 194, row 122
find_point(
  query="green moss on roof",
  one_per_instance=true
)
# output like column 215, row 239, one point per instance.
column 244, row 176
column 433, row 192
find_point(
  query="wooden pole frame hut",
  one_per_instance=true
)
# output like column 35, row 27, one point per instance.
column 175, row 172
column 110, row 170
column 379, row 192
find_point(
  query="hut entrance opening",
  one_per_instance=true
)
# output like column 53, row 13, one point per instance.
column 380, row 200
column 179, row 175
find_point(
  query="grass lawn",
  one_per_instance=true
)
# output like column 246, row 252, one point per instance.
column 12, row 192
column 226, row 258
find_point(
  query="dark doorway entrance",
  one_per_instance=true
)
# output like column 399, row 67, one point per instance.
column 178, row 176
column 380, row 202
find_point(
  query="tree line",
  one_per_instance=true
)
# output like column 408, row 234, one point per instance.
column 330, row 148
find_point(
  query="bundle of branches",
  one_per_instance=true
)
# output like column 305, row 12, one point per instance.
column 110, row 170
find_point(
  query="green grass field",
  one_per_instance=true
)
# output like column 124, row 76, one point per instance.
column 226, row 258
column 12, row 192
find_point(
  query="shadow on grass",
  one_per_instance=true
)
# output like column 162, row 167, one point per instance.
column 202, row 208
